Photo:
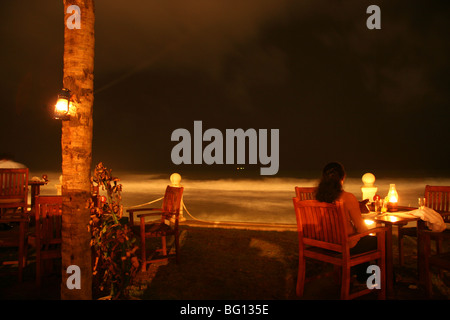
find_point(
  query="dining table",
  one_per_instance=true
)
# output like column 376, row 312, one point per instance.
column 35, row 185
column 399, row 218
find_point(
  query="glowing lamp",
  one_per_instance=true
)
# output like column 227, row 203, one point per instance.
column 62, row 105
column 392, row 198
column 368, row 190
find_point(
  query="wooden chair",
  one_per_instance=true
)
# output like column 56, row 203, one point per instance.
column 166, row 226
column 13, row 190
column 47, row 236
column 436, row 198
column 13, row 213
column 309, row 193
column 306, row 193
column 439, row 260
column 16, row 237
column 323, row 235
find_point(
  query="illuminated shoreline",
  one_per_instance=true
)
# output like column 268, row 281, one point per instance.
column 244, row 199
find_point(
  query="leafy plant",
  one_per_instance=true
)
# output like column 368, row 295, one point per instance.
column 113, row 242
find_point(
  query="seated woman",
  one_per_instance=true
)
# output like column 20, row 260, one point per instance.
column 330, row 189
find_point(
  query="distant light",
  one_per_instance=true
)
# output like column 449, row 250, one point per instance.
column 62, row 105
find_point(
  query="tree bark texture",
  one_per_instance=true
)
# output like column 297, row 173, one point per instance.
column 76, row 143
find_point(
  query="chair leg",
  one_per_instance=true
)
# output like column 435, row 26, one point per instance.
column 22, row 252
column 38, row 267
column 177, row 247
column 345, row 285
column 426, row 271
column 20, row 263
column 143, row 247
column 382, row 290
column 143, row 257
column 438, row 251
column 301, row 276
column 400, row 246
column 164, row 246
column 438, row 246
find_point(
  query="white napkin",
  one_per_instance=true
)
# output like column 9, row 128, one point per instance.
column 434, row 220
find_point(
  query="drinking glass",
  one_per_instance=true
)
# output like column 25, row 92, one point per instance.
column 383, row 204
column 422, row 203
column 378, row 204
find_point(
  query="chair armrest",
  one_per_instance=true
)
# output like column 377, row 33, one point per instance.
column 13, row 220
column 433, row 234
column 132, row 211
column 365, row 233
column 156, row 213
column 444, row 213
column 142, row 209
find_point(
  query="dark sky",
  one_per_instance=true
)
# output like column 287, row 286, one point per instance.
column 372, row 99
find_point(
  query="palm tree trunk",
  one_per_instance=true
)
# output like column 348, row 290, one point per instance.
column 76, row 143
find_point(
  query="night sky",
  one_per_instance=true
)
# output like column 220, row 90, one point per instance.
column 371, row 99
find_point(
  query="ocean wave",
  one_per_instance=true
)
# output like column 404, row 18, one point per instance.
column 245, row 199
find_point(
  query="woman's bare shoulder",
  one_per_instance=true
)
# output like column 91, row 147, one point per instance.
column 347, row 196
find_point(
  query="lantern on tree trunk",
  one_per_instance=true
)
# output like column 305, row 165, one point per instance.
column 62, row 105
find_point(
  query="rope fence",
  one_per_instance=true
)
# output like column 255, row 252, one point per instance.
column 182, row 203
column 244, row 225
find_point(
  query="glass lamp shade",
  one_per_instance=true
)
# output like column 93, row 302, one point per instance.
column 62, row 105
column 392, row 198
column 392, row 195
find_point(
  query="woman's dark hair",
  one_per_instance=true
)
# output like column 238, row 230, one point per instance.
column 330, row 187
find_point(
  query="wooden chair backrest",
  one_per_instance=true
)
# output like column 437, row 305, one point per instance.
column 321, row 224
column 172, row 200
column 306, row 193
column 438, row 199
column 48, row 211
column 13, row 188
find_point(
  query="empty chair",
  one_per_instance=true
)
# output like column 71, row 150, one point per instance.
column 13, row 212
column 167, row 225
column 323, row 235
column 13, row 190
column 16, row 237
column 47, row 236
column 439, row 260
column 436, row 198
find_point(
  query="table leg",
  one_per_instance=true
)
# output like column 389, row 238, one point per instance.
column 389, row 262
